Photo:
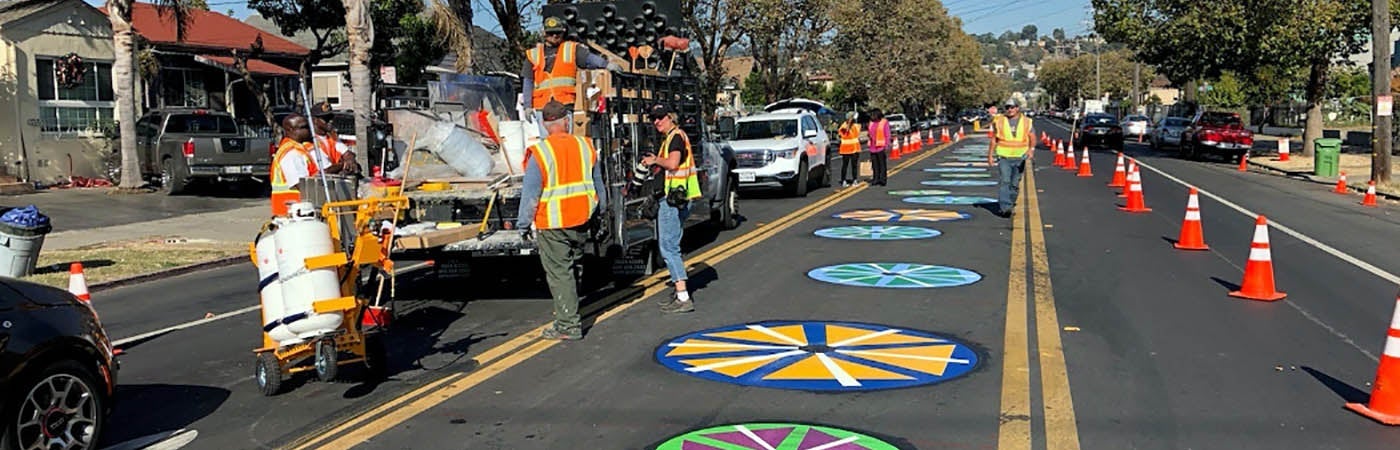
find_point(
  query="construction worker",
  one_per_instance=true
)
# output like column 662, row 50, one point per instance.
column 850, row 149
column 293, row 161
column 562, row 188
column 333, row 154
column 682, row 186
column 879, row 143
column 551, row 70
column 1009, row 150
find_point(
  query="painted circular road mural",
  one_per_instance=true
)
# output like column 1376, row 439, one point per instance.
column 774, row 436
column 902, row 215
column 950, row 200
column 817, row 356
column 958, row 183
column 877, row 232
column 910, row 192
column 894, row 275
column 965, row 175
column 955, row 169
column 964, row 164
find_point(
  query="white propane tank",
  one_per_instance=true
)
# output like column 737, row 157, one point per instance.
column 303, row 235
column 270, row 288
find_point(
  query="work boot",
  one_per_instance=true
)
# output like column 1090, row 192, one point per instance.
column 677, row 305
column 552, row 333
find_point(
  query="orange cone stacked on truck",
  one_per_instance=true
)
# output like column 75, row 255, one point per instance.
column 1258, row 281
column 1384, row 405
column 1192, row 235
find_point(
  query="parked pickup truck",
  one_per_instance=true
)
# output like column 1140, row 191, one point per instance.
column 180, row 146
column 1216, row 133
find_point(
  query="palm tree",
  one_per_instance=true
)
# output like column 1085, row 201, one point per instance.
column 124, row 78
column 359, row 31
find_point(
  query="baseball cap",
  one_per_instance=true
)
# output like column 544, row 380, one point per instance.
column 658, row 111
column 322, row 110
column 553, row 24
column 1013, row 103
column 554, row 111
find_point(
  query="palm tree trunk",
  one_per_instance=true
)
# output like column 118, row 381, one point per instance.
column 360, row 34
column 124, row 88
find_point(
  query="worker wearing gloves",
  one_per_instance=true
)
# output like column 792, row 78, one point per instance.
column 551, row 70
column 682, row 186
column 292, row 162
column 561, row 191
column 334, row 155
column 1011, row 144
column 850, row 149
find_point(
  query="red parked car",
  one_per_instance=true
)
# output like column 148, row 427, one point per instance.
column 1216, row 133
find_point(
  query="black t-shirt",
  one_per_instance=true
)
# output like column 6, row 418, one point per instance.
column 677, row 145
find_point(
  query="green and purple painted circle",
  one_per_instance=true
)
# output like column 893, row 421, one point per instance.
column 774, row 436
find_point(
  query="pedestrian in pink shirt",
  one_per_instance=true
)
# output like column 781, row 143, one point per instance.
column 879, row 142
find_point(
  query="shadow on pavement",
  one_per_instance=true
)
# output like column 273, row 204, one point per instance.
column 1343, row 390
column 63, row 268
column 142, row 409
column 1228, row 285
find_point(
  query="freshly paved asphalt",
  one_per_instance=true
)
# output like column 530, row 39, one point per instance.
column 1158, row 356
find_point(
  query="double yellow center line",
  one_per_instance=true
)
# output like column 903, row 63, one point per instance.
column 498, row 359
column 1057, row 405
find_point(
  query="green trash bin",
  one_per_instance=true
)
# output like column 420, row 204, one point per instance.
column 1327, row 156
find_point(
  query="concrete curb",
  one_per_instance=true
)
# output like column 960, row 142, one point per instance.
column 167, row 273
column 1309, row 177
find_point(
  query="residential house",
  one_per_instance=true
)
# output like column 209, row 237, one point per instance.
column 736, row 71
column 50, row 124
column 1163, row 89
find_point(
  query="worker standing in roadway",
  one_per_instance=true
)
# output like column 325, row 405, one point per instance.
column 562, row 188
column 551, row 70
column 682, row 186
column 879, row 143
column 1009, row 151
column 850, row 149
column 293, row 161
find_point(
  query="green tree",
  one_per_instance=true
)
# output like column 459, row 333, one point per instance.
column 1028, row 32
column 715, row 24
column 1349, row 82
column 1058, row 34
column 197, row 4
column 934, row 61
column 1224, row 93
column 417, row 47
column 787, row 39
column 753, row 91
column 324, row 19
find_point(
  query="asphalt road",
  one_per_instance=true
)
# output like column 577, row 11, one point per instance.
column 1081, row 327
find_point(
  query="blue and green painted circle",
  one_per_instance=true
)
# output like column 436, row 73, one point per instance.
column 967, row 159
column 964, row 164
column 894, row 275
column 913, row 192
column 950, row 200
column 902, row 215
column 774, row 436
column 877, row 232
column 955, row 169
column 964, row 183
column 818, row 356
column 965, row 175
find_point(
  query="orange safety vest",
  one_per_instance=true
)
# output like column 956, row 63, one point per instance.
column 685, row 174
column 566, row 166
column 877, row 133
column 1012, row 144
column 557, row 84
column 850, row 138
column 282, row 192
column 329, row 147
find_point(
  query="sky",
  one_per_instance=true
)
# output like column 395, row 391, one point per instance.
column 979, row 16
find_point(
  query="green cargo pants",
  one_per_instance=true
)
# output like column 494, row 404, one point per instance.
column 560, row 251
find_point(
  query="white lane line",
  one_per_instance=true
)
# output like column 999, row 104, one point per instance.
column 216, row 317
column 1363, row 265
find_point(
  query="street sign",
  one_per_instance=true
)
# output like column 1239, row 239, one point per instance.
column 389, row 75
column 1384, row 104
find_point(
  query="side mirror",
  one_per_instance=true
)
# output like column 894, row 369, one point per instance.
column 809, row 133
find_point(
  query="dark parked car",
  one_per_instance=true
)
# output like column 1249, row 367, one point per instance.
column 1101, row 130
column 57, row 371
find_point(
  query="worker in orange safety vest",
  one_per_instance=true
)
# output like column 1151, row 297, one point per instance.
column 550, row 72
column 293, row 161
column 850, row 149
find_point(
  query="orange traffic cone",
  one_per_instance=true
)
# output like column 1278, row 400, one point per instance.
column 1342, row 185
column 1084, row 171
column 1283, row 150
column 894, row 152
column 1133, row 174
column 1192, row 236
column 1120, row 173
column 1244, row 161
column 1071, row 164
column 1370, row 199
column 1258, row 281
column 945, row 137
column 1136, row 203
column 77, row 283
column 1384, row 405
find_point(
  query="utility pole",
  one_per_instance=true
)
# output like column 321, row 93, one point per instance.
column 1098, row 71
column 1380, row 86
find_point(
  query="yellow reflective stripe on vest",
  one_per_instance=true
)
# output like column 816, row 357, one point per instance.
column 554, row 194
column 1012, row 143
column 685, row 174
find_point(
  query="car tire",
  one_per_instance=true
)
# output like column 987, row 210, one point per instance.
column 174, row 176
column 800, row 182
column 825, row 180
column 727, row 215
column 73, row 375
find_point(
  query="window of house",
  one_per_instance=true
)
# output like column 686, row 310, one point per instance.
column 326, row 88
column 182, row 88
column 79, row 110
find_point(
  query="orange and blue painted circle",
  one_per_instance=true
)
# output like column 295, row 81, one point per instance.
column 894, row 275
column 903, row 215
column 964, row 164
column 965, row 175
column 955, row 169
column 950, row 200
column 877, row 232
column 774, row 436
column 915, row 192
column 964, row 183
column 818, row 356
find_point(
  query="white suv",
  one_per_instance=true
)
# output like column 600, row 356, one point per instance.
column 785, row 148
column 898, row 123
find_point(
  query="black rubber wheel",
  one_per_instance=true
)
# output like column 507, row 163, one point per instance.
column 376, row 359
column 728, row 215
column 29, row 413
column 826, row 171
column 327, row 360
column 268, row 374
column 800, row 183
column 174, row 176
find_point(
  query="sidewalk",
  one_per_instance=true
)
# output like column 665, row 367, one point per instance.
column 1356, row 166
column 234, row 225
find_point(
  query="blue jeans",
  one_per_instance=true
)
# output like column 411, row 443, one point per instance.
column 1009, row 181
column 670, row 221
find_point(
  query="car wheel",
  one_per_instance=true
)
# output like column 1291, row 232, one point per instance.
column 825, row 180
column 728, row 214
column 61, row 406
column 174, row 176
column 799, row 183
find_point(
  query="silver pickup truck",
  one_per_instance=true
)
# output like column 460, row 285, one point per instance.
column 179, row 146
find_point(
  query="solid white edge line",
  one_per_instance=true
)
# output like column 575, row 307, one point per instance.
column 1363, row 265
column 216, row 317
